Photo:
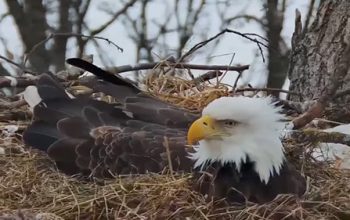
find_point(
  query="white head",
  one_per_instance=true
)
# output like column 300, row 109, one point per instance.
column 234, row 128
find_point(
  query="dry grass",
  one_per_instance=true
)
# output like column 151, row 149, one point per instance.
column 184, row 93
column 30, row 182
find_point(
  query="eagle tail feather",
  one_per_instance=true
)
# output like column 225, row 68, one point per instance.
column 111, row 84
column 109, row 77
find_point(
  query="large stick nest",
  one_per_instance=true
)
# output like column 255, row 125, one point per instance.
column 32, row 188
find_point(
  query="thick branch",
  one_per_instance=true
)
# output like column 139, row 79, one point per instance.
column 271, row 90
column 145, row 66
column 313, row 135
column 208, row 76
column 10, row 81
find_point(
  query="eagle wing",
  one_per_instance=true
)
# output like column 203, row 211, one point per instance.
column 140, row 134
column 138, row 104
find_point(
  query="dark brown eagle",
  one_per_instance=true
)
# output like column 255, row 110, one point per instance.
column 236, row 152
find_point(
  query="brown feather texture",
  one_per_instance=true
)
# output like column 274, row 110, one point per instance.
column 241, row 186
column 101, row 140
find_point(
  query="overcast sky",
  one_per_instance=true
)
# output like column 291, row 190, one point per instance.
column 244, row 50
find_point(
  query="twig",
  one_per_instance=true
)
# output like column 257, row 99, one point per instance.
column 246, row 17
column 168, row 153
column 114, row 17
column 314, row 135
column 257, row 35
column 19, row 66
column 53, row 35
column 203, row 43
column 318, row 121
column 261, row 52
column 232, row 57
column 268, row 90
column 11, row 62
column 236, row 81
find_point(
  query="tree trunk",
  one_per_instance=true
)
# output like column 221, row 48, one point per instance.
column 65, row 26
column 30, row 17
column 315, row 63
column 278, row 52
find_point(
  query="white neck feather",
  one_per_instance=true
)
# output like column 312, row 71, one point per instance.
column 257, row 139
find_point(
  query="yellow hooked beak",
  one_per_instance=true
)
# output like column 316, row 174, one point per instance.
column 202, row 128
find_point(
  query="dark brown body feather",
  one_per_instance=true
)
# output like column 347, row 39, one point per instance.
column 218, row 181
column 98, row 139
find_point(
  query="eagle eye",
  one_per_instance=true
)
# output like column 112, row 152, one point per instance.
column 230, row 122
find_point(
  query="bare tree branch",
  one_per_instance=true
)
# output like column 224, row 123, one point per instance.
column 12, row 62
column 145, row 66
column 10, row 81
column 113, row 18
column 313, row 135
column 268, row 90
column 53, row 35
column 139, row 33
column 208, row 76
column 185, row 30
column 246, row 17
column 203, row 43
column 19, row 66
column 81, row 8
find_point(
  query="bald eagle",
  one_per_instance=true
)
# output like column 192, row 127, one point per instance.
column 236, row 152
